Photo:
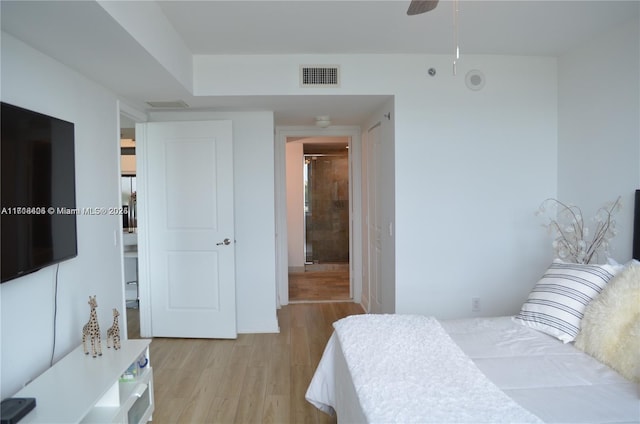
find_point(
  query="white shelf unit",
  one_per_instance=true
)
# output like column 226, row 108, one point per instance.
column 80, row 388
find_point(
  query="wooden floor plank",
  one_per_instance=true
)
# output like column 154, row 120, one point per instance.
column 222, row 411
column 252, row 396
column 279, row 378
column 301, row 410
column 276, row 409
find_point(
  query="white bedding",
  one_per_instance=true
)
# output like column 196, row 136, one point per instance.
column 552, row 380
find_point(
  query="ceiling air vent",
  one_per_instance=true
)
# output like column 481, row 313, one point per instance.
column 172, row 104
column 319, row 76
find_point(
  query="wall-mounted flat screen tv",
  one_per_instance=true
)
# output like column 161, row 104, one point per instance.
column 636, row 228
column 38, row 191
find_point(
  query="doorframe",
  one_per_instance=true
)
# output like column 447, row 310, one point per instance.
column 355, row 204
column 144, row 289
column 144, row 308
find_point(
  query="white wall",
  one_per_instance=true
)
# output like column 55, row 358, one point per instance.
column 254, row 192
column 295, row 205
column 470, row 167
column 34, row 81
column 599, row 128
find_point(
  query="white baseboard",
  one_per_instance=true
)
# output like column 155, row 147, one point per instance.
column 269, row 330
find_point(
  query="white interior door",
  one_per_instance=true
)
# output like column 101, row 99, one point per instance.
column 365, row 301
column 190, row 228
column 374, row 225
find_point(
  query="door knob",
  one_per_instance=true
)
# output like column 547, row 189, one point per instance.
column 226, row 242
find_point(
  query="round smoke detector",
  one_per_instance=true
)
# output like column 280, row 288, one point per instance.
column 474, row 79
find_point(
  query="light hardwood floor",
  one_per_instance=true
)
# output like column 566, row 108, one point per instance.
column 258, row 378
column 319, row 285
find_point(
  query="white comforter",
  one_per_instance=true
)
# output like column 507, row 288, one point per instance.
column 552, row 380
column 406, row 368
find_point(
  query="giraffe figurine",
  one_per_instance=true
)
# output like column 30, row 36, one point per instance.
column 91, row 331
column 113, row 333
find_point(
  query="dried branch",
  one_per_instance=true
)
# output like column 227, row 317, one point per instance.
column 571, row 241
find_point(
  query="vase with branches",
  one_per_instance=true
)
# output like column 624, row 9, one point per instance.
column 574, row 241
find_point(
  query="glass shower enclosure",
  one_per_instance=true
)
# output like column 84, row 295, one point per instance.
column 326, row 206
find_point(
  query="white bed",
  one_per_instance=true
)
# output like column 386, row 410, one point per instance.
column 553, row 381
column 526, row 368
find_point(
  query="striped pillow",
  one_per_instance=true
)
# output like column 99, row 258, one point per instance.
column 556, row 304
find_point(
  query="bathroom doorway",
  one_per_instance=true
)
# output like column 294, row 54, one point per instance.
column 318, row 175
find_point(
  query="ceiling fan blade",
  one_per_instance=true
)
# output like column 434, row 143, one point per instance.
column 421, row 6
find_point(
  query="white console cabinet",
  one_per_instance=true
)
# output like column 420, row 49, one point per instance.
column 83, row 389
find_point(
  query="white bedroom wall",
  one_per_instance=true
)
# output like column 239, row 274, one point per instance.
column 471, row 167
column 295, row 205
column 34, row 81
column 254, row 193
column 599, row 128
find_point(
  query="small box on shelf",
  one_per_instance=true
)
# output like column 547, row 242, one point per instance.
column 135, row 369
column 131, row 373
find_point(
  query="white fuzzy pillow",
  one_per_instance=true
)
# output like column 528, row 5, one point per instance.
column 610, row 328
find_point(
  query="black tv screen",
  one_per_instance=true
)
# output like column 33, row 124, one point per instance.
column 636, row 228
column 38, row 191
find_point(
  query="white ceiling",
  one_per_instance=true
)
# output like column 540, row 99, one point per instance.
column 84, row 37
column 540, row 27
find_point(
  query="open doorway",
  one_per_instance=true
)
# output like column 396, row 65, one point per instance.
column 128, row 189
column 318, row 218
column 290, row 208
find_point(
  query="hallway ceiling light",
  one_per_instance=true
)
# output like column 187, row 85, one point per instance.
column 323, row 121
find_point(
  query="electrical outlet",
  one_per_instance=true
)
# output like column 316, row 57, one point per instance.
column 475, row 304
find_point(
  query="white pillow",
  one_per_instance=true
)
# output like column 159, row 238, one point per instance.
column 610, row 329
column 616, row 266
column 556, row 304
